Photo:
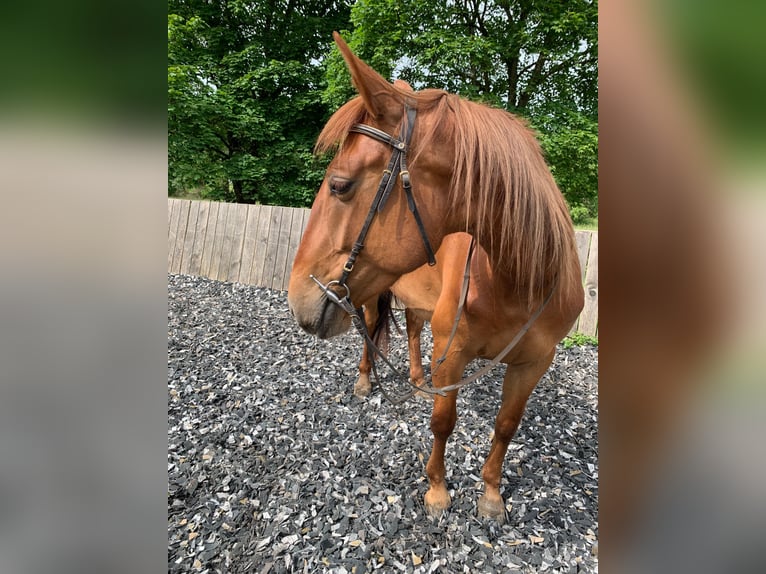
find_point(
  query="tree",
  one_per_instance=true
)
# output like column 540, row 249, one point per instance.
column 572, row 152
column 244, row 96
column 535, row 58
column 250, row 84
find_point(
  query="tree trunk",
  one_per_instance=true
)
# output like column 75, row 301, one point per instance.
column 512, row 69
column 237, row 184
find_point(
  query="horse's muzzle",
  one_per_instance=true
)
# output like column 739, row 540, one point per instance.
column 318, row 315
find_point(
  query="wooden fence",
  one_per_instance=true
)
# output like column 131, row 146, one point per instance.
column 256, row 245
column 251, row 244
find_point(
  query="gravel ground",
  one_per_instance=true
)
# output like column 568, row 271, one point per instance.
column 274, row 465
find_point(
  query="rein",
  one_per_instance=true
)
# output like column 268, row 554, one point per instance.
column 397, row 167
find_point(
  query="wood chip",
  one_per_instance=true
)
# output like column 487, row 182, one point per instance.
column 283, row 469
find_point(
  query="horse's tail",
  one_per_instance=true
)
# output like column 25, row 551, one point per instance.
column 381, row 333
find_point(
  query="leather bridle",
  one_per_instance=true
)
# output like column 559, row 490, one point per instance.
column 397, row 167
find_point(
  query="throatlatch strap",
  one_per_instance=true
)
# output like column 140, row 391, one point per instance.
column 414, row 209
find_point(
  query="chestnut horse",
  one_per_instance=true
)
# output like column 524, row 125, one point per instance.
column 411, row 168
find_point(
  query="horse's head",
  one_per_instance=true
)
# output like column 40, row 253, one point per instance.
column 393, row 243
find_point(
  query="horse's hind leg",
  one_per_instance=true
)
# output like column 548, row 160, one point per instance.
column 518, row 384
column 363, row 387
column 414, row 329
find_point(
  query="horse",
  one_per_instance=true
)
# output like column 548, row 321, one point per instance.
column 410, row 168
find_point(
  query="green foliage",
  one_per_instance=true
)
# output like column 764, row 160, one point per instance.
column 579, row 340
column 250, row 84
column 536, row 58
column 580, row 214
column 571, row 148
column 526, row 55
column 244, row 97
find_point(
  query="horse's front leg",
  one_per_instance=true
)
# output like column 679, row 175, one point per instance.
column 362, row 388
column 443, row 418
column 518, row 383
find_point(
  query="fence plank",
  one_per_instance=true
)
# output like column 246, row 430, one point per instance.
column 589, row 316
column 174, row 209
column 296, row 228
column 283, row 246
column 222, row 270
column 583, row 245
column 306, row 214
column 200, row 231
column 191, row 231
column 261, row 245
column 220, row 235
column 228, row 242
column 183, row 218
column 239, row 221
column 171, row 205
column 272, row 246
column 248, row 247
column 582, row 240
column 207, row 248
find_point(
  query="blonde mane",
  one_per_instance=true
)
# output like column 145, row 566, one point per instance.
column 502, row 180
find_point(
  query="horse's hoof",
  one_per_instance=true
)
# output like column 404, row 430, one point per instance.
column 362, row 388
column 492, row 508
column 437, row 501
column 421, row 394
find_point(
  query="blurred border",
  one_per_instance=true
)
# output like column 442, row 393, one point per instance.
column 681, row 209
column 83, row 417
column 83, row 185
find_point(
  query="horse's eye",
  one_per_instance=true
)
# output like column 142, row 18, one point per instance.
column 340, row 186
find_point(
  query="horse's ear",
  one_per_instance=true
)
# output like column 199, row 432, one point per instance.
column 402, row 85
column 382, row 100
